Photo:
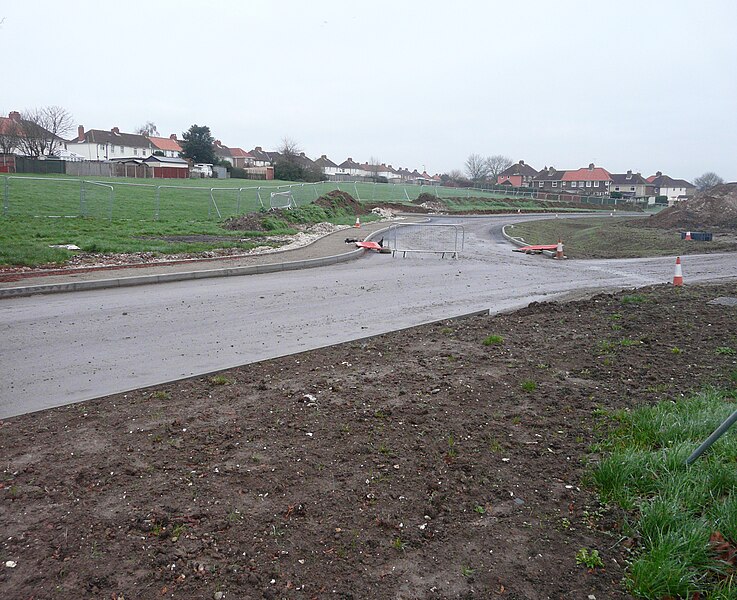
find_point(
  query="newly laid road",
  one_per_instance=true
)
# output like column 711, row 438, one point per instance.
column 65, row 348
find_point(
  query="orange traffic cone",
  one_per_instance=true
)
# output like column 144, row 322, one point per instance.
column 678, row 276
column 688, row 235
column 358, row 222
column 559, row 250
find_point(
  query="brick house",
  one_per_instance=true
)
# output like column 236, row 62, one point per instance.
column 518, row 175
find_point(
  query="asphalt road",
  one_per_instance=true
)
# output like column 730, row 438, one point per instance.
column 67, row 348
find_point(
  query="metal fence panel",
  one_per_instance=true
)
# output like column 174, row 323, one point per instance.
column 432, row 238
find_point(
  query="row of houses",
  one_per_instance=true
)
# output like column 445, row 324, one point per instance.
column 133, row 148
column 596, row 181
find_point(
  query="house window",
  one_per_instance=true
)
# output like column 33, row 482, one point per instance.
column 588, row 184
column 122, row 149
column 632, row 189
column 102, row 146
column 596, row 184
column 135, row 151
column 540, row 184
column 573, row 184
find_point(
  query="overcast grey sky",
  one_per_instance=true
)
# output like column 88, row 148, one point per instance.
column 645, row 85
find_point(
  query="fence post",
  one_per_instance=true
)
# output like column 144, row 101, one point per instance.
column 6, row 196
column 112, row 201
column 82, row 199
column 157, row 203
column 355, row 187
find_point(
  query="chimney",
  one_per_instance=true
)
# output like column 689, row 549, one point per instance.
column 173, row 136
column 522, row 162
column 14, row 116
column 591, row 166
column 551, row 170
column 115, row 130
column 218, row 143
column 629, row 174
column 258, row 149
column 659, row 174
column 80, row 133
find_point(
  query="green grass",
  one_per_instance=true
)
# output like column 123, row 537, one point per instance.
column 674, row 509
column 493, row 340
column 45, row 211
column 607, row 237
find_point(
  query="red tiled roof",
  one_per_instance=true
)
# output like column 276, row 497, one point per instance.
column 166, row 144
column 239, row 153
column 595, row 174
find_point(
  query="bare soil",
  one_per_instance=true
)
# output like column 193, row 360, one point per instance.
column 416, row 464
column 712, row 209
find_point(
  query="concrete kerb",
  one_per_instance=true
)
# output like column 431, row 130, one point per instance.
column 79, row 286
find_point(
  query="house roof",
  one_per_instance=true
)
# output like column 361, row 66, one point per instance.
column 628, row 178
column 13, row 125
column 519, row 168
column 665, row 181
column 349, row 163
column 550, row 174
column 166, row 144
column 114, row 137
column 174, row 161
column 259, row 154
column 324, row 161
column 239, row 153
column 587, row 174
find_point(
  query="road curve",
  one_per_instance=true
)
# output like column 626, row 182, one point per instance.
column 68, row 348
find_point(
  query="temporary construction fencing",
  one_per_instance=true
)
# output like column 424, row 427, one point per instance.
column 435, row 238
column 201, row 199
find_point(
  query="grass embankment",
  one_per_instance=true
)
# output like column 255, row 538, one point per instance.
column 194, row 225
column 680, row 520
column 612, row 237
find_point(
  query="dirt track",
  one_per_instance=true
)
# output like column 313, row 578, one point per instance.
column 417, row 464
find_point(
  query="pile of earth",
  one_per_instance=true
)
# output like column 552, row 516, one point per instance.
column 335, row 203
column 425, row 197
column 712, row 209
column 338, row 201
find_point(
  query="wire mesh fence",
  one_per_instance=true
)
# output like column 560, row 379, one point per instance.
column 434, row 238
column 61, row 196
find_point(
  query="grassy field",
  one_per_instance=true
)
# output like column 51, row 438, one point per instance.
column 612, row 237
column 175, row 200
column 119, row 215
column 681, row 515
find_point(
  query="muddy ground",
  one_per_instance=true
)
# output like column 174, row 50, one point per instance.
column 416, row 464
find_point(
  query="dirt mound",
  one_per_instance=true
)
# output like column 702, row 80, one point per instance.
column 248, row 222
column 715, row 208
column 341, row 202
column 425, row 197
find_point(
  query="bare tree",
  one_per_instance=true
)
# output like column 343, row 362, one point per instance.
column 707, row 180
column 496, row 164
column 9, row 134
column 148, row 129
column 375, row 168
column 289, row 148
column 41, row 129
column 476, row 168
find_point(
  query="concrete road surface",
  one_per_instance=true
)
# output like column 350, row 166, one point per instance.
column 66, row 348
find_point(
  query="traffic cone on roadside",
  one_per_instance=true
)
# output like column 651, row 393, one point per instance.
column 358, row 223
column 678, row 276
column 688, row 235
column 559, row 250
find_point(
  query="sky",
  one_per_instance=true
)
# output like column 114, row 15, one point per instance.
column 647, row 85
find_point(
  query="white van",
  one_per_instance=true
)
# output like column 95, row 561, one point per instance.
column 201, row 170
